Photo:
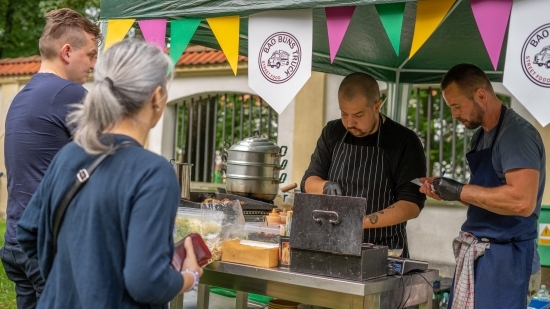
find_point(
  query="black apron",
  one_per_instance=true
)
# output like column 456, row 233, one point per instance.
column 502, row 274
column 359, row 170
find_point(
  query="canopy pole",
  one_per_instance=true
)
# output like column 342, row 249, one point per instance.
column 398, row 100
column 103, row 30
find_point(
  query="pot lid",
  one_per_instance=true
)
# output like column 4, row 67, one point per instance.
column 255, row 143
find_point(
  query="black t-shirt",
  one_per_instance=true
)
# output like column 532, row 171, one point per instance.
column 404, row 158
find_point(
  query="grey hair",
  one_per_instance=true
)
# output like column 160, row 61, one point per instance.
column 125, row 78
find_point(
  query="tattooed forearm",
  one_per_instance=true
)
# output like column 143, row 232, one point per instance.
column 373, row 218
column 381, row 212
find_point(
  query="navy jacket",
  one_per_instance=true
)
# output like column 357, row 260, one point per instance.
column 116, row 242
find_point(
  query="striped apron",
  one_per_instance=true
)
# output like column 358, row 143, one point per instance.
column 359, row 170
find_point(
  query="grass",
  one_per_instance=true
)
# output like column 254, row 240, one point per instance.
column 7, row 288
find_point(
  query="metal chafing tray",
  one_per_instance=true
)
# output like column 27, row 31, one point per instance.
column 253, row 210
column 196, row 198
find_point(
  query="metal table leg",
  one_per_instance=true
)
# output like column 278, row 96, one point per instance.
column 203, row 296
column 177, row 302
column 242, row 300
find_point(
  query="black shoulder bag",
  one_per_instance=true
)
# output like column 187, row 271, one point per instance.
column 81, row 177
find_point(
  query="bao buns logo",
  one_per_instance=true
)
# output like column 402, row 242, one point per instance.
column 279, row 57
column 535, row 56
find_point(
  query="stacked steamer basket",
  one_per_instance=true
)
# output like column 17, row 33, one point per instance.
column 252, row 168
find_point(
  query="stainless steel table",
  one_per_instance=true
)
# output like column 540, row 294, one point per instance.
column 383, row 293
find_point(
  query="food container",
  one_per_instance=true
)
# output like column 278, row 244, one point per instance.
column 259, row 232
column 252, row 253
column 273, row 219
column 395, row 252
column 205, row 222
column 282, row 215
column 284, row 251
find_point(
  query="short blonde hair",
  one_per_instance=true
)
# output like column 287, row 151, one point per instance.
column 65, row 26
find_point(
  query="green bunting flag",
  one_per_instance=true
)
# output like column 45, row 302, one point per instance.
column 181, row 32
column 391, row 15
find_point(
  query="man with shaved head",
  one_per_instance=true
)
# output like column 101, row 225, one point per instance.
column 366, row 154
column 36, row 129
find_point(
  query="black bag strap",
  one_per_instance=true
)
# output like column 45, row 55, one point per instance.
column 81, row 177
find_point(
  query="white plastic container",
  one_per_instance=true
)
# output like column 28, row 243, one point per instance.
column 258, row 231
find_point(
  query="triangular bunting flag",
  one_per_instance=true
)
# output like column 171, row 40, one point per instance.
column 181, row 32
column 226, row 31
column 280, row 46
column 492, row 18
column 429, row 14
column 338, row 19
column 154, row 31
column 116, row 31
column 391, row 16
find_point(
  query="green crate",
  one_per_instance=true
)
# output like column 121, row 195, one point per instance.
column 543, row 243
column 232, row 294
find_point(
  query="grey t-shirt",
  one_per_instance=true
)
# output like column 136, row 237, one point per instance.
column 518, row 145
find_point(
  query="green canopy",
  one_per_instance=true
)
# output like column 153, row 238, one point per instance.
column 366, row 46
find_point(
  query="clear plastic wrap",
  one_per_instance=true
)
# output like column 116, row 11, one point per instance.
column 230, row 223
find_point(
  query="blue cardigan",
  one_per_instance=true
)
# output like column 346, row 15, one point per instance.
column 116, row 242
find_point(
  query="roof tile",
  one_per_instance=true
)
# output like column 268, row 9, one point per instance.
column 193, row 55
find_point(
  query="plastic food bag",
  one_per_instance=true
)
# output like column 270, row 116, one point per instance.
column 221, row 220
column 188, row 220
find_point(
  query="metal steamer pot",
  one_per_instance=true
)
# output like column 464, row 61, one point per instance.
column 252, row 168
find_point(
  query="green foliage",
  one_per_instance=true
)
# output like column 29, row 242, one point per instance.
column 255, row 117
column 7, row 287
column 237, row 116
column 21, row 23
column 88, row 8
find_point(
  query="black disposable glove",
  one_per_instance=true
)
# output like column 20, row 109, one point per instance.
column 332, row 188
column 447, row 188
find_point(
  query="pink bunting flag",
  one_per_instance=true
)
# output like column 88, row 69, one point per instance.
column 492, row 18
column 154, row 31
column 338, row 19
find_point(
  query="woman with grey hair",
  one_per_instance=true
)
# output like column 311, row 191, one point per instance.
column 114, row 245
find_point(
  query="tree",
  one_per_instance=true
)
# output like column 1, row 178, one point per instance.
column 21, row 23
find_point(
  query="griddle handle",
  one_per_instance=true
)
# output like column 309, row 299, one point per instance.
column 332, row 213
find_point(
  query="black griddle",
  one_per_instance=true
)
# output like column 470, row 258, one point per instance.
column 196, row 198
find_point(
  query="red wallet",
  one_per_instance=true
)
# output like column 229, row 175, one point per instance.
column 202, row 252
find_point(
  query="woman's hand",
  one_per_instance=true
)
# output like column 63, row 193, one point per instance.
column 191, row 269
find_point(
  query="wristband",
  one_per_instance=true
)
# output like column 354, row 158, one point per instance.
column 195, row 278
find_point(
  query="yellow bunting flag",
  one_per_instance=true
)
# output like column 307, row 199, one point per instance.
column 116, row 31
column 429, row 14
column 226, row 30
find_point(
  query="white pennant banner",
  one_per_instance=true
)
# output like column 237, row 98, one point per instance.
column 279, row 54
column 527, row 67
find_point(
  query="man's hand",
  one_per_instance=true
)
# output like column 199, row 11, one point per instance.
column 447, row 188
column 428, row 187
column 332, row 188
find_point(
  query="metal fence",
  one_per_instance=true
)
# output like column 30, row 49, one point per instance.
column 445, row 140
column 204, row 123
